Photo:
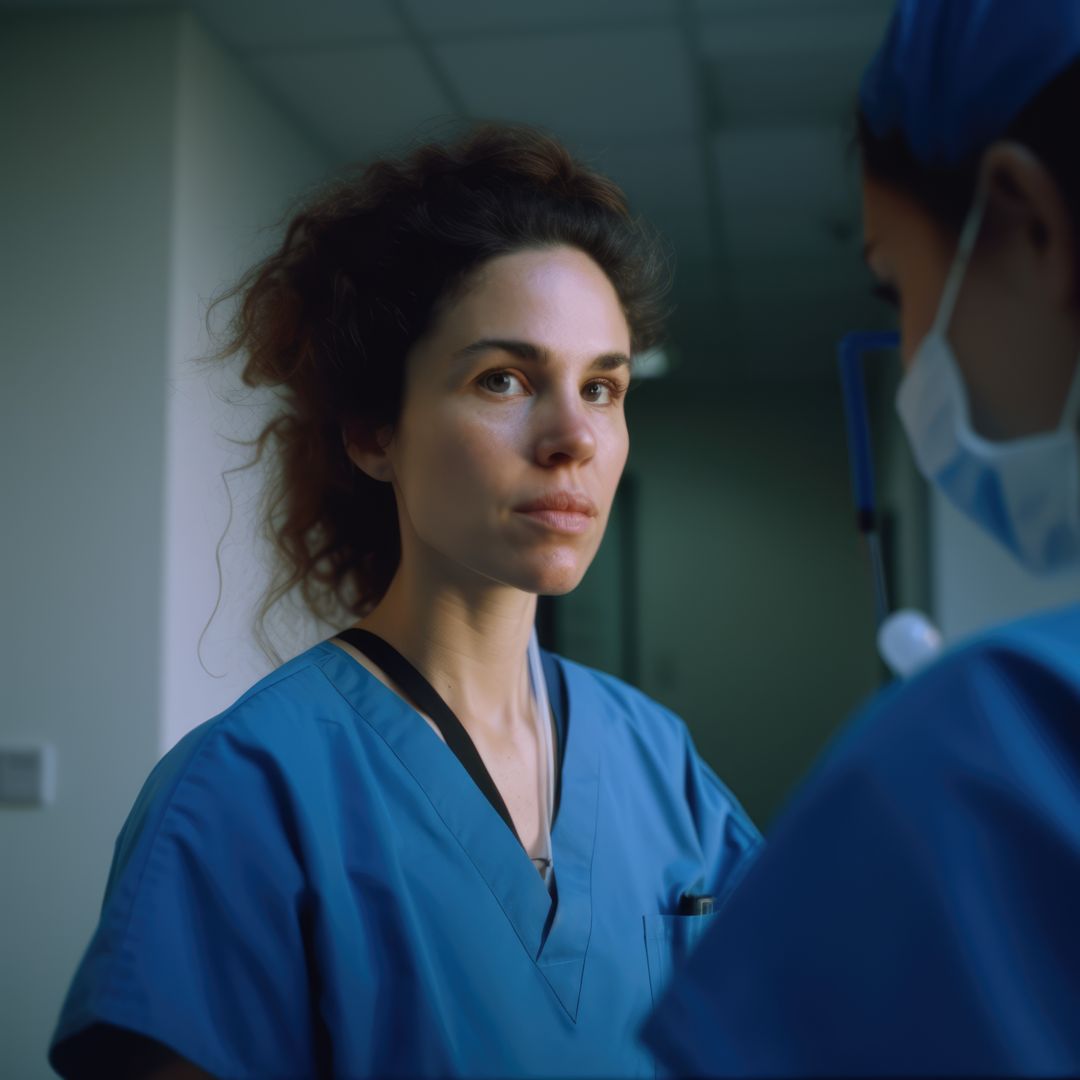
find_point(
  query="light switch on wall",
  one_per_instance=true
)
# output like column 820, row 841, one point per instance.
column 27, row 774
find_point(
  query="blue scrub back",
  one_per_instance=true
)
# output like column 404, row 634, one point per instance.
column 917, row 910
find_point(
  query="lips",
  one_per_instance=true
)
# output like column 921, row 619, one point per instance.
column 569, row 502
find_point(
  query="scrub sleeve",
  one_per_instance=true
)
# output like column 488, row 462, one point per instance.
column 201, row 942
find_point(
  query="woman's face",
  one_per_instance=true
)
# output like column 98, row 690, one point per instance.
column 1014, row 329
column 516, row 393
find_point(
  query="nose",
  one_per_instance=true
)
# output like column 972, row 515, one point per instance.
column 564, row 427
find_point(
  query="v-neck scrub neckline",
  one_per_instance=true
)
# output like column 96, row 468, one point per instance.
column 495, row 851
column 424, row 698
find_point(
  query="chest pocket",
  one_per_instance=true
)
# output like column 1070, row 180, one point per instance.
column 669, row 940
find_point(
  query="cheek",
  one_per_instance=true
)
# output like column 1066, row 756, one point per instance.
column 619, row 448
column 454, row 463
column 921, row 265
column 920, row 297
column 912, row 332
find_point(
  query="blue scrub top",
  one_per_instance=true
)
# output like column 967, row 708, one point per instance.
column 311, row 884
column 917, row 910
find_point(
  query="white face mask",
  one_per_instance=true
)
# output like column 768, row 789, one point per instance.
column 1024, row 492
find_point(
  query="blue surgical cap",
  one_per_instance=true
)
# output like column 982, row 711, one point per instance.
column 952, row 74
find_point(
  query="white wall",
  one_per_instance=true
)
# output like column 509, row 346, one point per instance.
column 137, row 162
column 238, row 169
column 85, row 104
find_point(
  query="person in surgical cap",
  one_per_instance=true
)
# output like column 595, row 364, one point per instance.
column 917, row 911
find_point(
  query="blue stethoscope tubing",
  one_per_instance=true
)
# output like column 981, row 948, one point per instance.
column 860, row 454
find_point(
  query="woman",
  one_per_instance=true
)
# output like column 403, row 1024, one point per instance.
column 315, row 882
column 916, row 910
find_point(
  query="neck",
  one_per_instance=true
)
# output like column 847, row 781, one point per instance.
column 469, row 641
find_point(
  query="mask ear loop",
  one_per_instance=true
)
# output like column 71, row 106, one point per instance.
column 964, row 248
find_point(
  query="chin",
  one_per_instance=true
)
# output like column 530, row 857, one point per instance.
column 547, row 580
column 552, row 583
column 557, row 591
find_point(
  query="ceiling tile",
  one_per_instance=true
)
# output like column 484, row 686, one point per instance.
column 663, row 180
column 356, row 100
column 810, row 30
column 813, row 63
column 809, row 89
column 772, row 10
column 249, row 25
column 621, row 82
column 471, row 16
column 785, row 191
column 787, row 233
column 650, row 171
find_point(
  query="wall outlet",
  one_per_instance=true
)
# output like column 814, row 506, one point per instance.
column 27, row 774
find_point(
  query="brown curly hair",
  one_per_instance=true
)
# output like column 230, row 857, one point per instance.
column 363, row 272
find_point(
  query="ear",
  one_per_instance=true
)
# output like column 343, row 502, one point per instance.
column 368, row 447
column 1024, row 195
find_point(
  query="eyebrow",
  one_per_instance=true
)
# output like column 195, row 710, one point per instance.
column 526, row 350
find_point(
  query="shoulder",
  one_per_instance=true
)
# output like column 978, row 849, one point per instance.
column 233, row 765
column 999, row 672
column 285, row 704
column 1047, row 642
column 1000, row 701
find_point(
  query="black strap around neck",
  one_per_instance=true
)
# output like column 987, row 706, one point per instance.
column 427, row 698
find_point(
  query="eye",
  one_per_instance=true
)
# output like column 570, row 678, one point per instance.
column 614, row 390
column 889, row 293
column 499, row 382
column 489, row 379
